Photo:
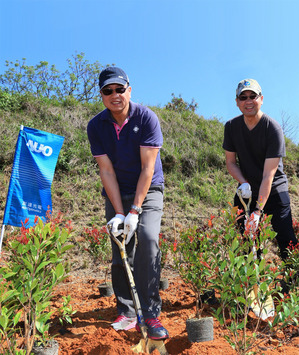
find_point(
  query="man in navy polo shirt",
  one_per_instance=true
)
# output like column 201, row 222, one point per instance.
column 125, row 140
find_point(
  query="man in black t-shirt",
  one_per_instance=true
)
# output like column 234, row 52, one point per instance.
column 254, row 148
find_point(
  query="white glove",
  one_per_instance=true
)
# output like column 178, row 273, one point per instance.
column 131, row 222
column 115, row 222
column 253, row 222
column 245, row 189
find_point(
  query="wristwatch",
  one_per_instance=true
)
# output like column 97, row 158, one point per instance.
column 257, row 209
column 137, row 209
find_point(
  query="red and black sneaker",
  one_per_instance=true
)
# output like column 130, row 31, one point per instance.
column 155, row 329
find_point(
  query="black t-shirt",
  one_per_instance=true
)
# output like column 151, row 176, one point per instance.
column 253, row 147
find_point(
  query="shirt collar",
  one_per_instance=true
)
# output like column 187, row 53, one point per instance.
column 133, row 108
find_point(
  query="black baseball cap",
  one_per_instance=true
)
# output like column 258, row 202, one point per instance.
column 112, row 75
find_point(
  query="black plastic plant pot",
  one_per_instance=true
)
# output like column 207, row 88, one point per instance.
column 200, row 329
column 163, row 284
column 106, row 289
column 49, row 349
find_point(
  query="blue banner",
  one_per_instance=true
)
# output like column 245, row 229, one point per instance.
column 29, row 192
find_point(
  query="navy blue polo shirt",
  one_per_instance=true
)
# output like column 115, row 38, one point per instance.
column 122, row 144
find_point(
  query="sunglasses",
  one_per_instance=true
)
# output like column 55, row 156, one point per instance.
column 109, row 91
column 251, row 97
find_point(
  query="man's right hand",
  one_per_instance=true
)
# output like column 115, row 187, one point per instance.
column 115, row 222
column 245, row 190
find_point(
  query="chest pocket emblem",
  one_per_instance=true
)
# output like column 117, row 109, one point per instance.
column 135, row 129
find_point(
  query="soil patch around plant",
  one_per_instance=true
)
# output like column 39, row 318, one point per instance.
column 91, row 332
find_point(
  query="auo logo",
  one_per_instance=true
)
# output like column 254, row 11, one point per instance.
column 35, row 147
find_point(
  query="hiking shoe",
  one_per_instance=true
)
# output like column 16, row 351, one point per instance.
column 155, row 329
column 124, row 323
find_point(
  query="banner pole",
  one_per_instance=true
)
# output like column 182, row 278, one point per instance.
column 3, row 225
column 2, row 235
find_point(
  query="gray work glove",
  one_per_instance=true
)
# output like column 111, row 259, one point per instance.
column 131, row 222
column 115, row 222
column 252, row 222
column 245, row 190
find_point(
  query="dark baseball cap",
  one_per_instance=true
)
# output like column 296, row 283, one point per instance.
column 112, row 75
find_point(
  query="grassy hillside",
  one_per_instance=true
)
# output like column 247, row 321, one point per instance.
column 197, row 183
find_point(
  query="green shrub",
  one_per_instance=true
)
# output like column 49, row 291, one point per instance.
column 34, row 268
column 8, row 102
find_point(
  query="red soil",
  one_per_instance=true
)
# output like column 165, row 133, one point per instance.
column 91, row 332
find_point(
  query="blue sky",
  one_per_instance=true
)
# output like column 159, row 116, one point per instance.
column 197, row 49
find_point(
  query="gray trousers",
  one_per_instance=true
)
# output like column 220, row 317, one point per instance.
column 144, row 258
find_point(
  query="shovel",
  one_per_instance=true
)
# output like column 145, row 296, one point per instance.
column 145, row 345
column 267, row 310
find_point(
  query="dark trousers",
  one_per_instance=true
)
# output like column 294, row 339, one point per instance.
column 279, row 207
column 144, row 258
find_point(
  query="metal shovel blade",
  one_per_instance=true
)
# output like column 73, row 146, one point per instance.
column 151, row 345
column 268, row 309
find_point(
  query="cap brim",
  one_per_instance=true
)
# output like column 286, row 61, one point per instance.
column 250, row 89
column 113, row 81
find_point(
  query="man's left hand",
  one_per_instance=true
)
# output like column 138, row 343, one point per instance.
column 253, row 222
column 130, row 222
